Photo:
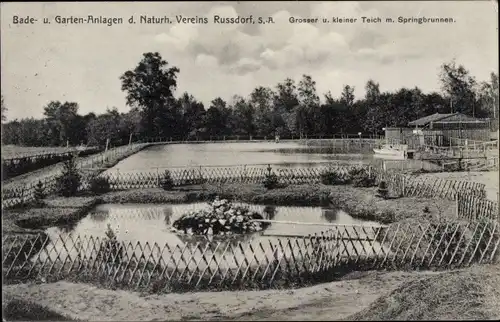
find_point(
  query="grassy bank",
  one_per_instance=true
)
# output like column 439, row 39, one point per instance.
column 57, row 211
column 470, row 294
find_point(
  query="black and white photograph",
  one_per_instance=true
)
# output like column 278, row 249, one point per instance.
column 250, row 160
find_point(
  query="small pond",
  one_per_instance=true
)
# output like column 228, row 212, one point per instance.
column 134, row 223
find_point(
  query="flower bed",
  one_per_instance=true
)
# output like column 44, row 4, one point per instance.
column 221, row 218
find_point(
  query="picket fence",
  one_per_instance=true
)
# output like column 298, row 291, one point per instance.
column 262, row 263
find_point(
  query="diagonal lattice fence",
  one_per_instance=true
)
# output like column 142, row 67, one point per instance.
column 471, row 207
column 400, row 184
column 263, row 262
column 15, row 194
column 408, row 186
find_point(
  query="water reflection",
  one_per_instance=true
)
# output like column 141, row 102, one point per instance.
column 329, row 214
column 141, row 224
column 230, row 154
column 168, row 213
column 99, row 215
column 269, row 212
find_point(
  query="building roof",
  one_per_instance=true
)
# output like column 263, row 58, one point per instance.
column 445, row 118
column 429, row 118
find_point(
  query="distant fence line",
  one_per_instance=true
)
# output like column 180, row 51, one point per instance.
column 267, row 263
column 12, row 167
column 250, row 138
column 15, row 156
column 15, row 194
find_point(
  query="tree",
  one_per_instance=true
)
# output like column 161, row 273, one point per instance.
column 348, row 121
column 285, row 101
column 334, row 115
column 458, row 85
column 347, row 96
column 217, row 118
column 371, row 108
column 488, row 98
column 243, row 120
column 61, row 120
column 309, row 112
column 434, row 103
column 3, row 111
column 107, row 126
column 150, row 87
column 261, row 100
column 193, row 113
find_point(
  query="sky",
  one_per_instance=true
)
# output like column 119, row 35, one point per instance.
column 83, row 62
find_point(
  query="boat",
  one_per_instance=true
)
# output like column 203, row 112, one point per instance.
column 394, row 150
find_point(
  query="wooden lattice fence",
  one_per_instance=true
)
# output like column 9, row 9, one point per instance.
column 473, row 208
column 17, row 194
column 262, row 263
column 399, row 184
column 408, row 186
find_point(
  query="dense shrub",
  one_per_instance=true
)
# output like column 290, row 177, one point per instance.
column 110, row 250
column 221, row 218
column 333, row 177
column 166, row 181
column 361, row 178
column 271, row 180
column 39, row 194
column 70, row 180
column 99, row 185
column 382, row 190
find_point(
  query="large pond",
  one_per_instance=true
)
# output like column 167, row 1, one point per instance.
column 133, row 223
column 287, row 154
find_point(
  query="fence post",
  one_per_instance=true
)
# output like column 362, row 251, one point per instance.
column 456, row 206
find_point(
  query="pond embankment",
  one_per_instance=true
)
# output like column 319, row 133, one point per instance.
column 360, row 203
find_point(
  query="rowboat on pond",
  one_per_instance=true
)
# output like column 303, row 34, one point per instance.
column 399, row 151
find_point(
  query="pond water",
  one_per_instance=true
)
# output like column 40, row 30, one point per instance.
column 286, row 154
column 133, row 223
column 228, row 154
column 152, row 223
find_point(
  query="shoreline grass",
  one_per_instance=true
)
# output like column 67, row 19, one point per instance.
column 360, row 203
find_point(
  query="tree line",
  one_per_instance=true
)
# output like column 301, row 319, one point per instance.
column 292, row 107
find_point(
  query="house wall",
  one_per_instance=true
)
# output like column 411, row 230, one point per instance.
column 435, row 137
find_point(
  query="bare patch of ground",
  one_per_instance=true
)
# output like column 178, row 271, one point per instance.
column 470, row 293
column 327, row 301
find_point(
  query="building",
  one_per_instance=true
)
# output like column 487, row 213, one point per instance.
column 440, row 130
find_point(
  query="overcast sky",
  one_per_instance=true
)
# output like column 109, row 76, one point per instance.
column 82, row 63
